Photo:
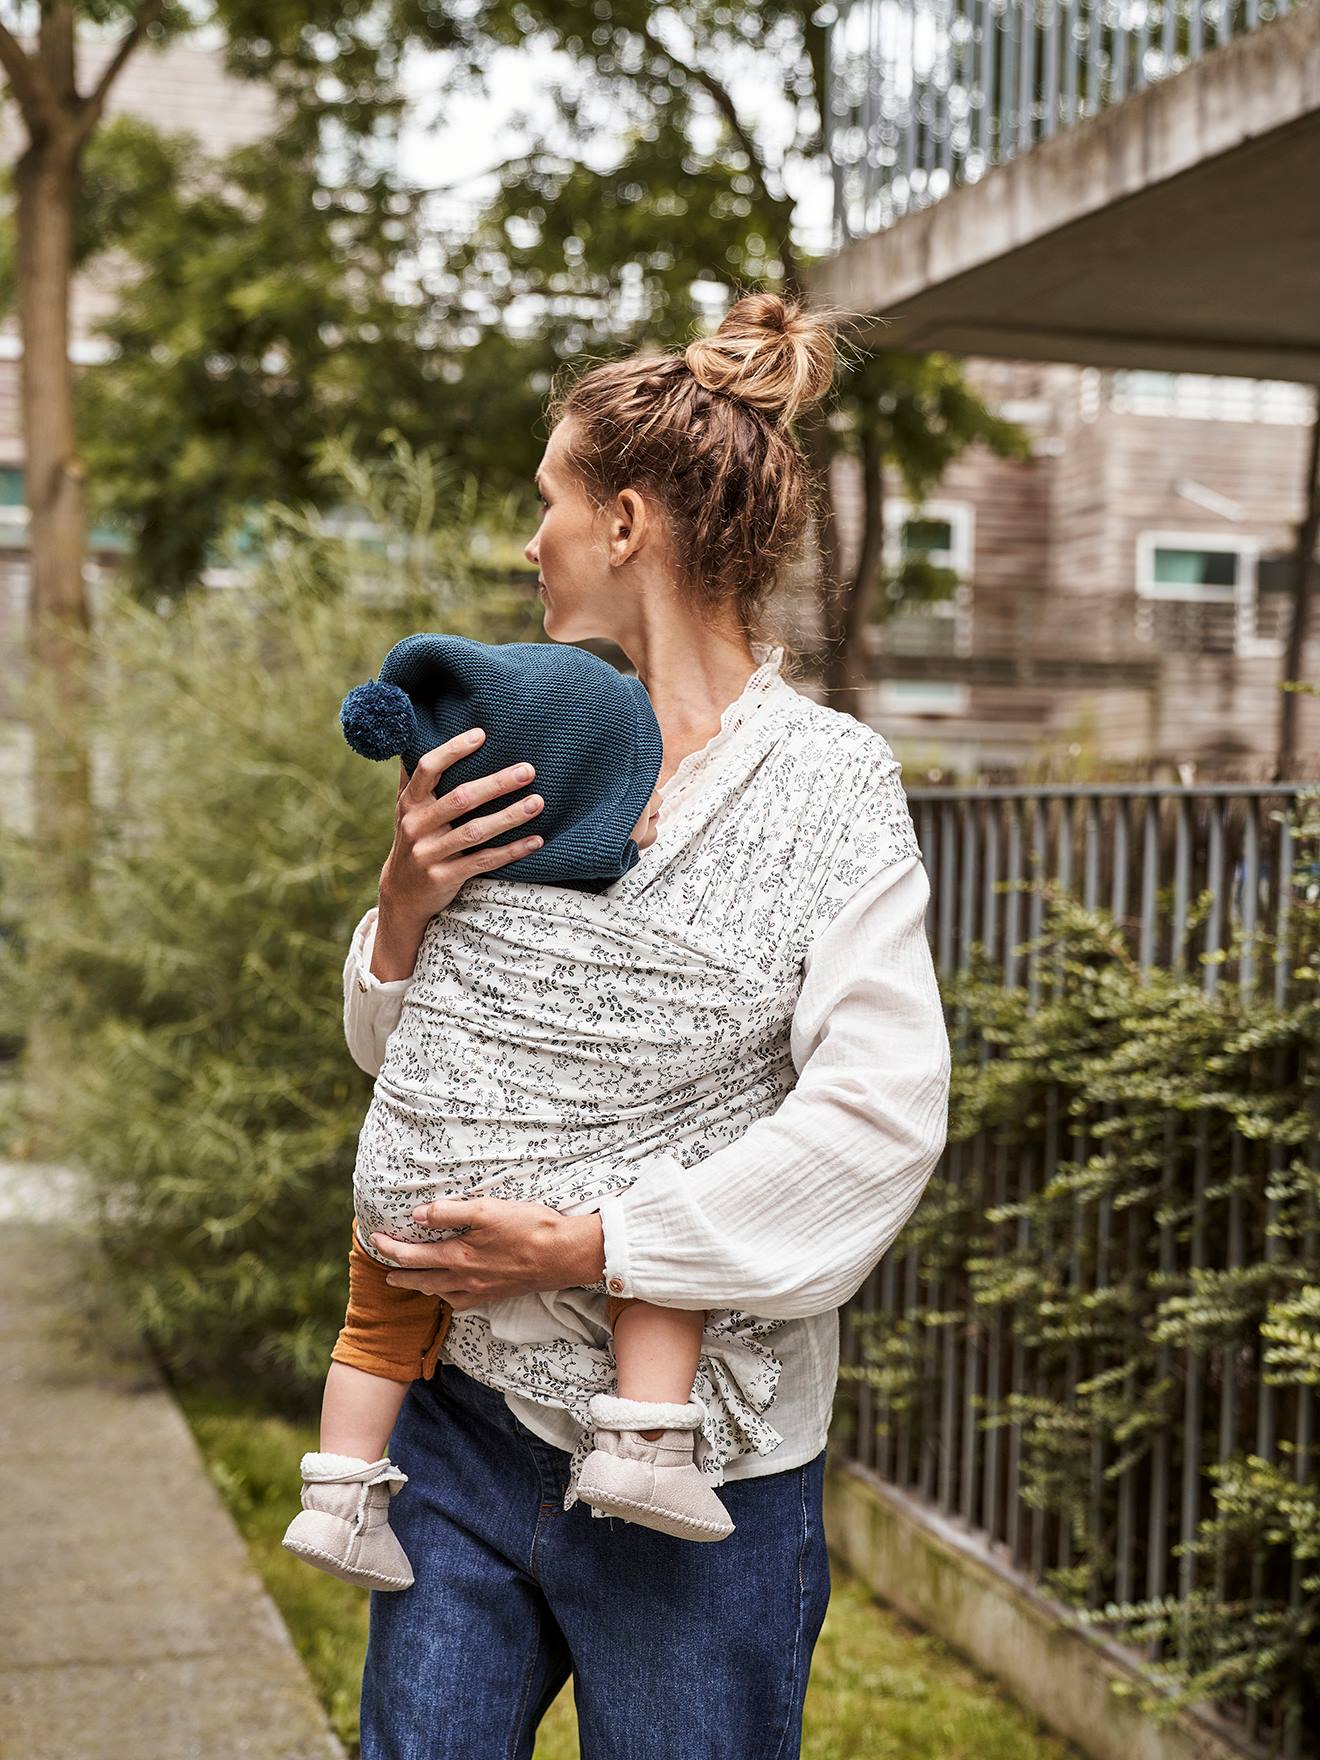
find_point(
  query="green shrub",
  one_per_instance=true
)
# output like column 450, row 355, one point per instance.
column 1066, row 1224
column 209, row 1093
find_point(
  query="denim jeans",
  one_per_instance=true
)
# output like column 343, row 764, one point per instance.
column 679, row 1649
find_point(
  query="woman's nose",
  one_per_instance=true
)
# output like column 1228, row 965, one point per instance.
column 529, row 551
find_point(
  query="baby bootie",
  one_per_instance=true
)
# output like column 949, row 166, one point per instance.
column 655, row 1483
column 344, row 1526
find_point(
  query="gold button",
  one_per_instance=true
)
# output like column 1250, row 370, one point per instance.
column 616, row 1284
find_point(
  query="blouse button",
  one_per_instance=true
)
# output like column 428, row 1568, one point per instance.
column 616, row 1284
column 362, row 984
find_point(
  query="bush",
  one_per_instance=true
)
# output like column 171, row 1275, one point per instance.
column 1132, row 1206
column 210, row 1095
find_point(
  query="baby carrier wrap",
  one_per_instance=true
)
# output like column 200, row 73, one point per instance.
column 551, row 1039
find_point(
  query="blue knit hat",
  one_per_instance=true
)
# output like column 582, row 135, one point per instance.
column 590, row 732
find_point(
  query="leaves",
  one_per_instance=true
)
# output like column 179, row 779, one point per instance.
column 239, row 840
column 1085, row 1121
column 253, row 324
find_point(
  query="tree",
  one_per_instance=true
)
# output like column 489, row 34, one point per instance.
column 1308, row 532
column 254, row 321
column 914, row 414
column 696, row 195
column 59, row 121
column 333, row 69
column 213, row 1107
column 332, row 66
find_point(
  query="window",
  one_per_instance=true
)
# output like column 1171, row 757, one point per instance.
column 14, row 517
column 1199, row 593
column 923, row 696
column 1195, row 568
column 13, row 513
column 932, row 538
column 941, row 533
column 1207, row 397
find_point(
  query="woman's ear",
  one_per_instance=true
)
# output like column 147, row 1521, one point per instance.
column 628, row 526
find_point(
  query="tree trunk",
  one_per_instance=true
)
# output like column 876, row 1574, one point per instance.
column 847, row 669
column 818, row 445
column 1308, row 530
column 46, row 180
column 843, row 664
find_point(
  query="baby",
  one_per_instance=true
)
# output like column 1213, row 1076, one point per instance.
column 594, row 764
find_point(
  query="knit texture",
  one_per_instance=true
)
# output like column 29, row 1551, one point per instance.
column 590, row 732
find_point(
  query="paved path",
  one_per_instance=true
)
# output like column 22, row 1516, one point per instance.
column 132, row 1626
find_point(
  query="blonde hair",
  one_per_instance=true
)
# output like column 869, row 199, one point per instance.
column 705, row 433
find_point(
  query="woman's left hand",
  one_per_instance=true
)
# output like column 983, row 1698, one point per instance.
column 507, row 1249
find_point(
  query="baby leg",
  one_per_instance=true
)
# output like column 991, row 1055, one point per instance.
column 650, row 1476
column 358, row 1411
column 390, row 1337
column 344, row 1524
column 656, row 1351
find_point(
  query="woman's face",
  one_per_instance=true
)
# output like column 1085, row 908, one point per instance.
column 577, row 586
column 570, row 549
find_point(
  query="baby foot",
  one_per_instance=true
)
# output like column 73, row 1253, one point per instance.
column 344, row 1526
column 655, row 1483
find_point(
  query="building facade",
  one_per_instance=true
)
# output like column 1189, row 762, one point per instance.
column 1123, row 595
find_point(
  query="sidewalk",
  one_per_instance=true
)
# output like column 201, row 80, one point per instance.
column 132, row 1626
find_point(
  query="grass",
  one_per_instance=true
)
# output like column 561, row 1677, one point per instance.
column 880, row 1690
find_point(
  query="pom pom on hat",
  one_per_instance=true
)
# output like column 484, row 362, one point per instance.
column 378, row 720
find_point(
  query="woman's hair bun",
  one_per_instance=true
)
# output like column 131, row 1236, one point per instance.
column 772, row 353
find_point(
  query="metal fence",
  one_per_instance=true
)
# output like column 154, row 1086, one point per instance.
column 1144, row 852
column 927, row 94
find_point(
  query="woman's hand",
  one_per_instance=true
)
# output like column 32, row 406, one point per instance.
column 431, row 857
column 507, row 1249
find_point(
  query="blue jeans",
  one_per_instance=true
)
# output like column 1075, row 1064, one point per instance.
column 679, row 1649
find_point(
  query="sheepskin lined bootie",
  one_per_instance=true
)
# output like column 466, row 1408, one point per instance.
column 344, row 1526
column 655, row 1483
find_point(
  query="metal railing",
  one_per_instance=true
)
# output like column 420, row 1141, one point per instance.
column 924, row 95
column 1194, row 876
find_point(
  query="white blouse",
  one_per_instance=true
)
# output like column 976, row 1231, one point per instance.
column 786, row 842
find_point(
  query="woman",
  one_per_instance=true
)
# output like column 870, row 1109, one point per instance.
column 673, row 492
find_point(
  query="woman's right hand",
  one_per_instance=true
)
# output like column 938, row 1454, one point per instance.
column 431, row 858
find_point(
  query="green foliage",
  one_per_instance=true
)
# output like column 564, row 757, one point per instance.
column 269, row 294
column 1241, row 1647
column 239, row 839
column 1293, row 1332
column 578, row 256
column 1065, row 1214
column 253, row 321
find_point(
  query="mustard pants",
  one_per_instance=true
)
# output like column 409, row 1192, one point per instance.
column 398, row 1333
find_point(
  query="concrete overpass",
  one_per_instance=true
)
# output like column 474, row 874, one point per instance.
column 1176, row 229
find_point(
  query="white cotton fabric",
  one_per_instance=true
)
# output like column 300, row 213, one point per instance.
column 736, row 1053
